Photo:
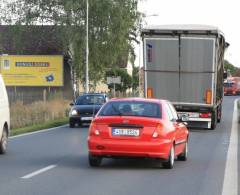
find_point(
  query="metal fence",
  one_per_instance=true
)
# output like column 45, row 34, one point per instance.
column 34, row 95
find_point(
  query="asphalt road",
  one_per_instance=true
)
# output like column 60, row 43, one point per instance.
column 63, row 154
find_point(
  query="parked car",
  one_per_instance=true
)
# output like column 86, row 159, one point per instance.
column 85, row 108
column 138, row 127
column 4, row 117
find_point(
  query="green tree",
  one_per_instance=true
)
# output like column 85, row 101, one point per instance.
column 112, row 27
column 229, row 67
column 135, row 78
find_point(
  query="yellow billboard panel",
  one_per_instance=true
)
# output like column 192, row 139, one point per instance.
column 32, row 70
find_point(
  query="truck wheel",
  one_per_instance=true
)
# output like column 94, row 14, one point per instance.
column 219, row 113
column 170, row 162
column 214, row 120
column 3, row 141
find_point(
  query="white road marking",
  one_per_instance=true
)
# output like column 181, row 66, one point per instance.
column 28, row 176
column 230, row 184
column 36, row 132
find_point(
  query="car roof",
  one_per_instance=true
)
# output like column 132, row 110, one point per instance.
column 150, row 100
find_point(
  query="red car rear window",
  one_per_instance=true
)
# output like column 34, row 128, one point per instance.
column 132, row 108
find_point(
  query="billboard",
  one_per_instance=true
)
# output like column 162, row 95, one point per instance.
column 32, row 70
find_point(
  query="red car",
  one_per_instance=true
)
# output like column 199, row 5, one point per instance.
column 138, row 127
column 232, row 86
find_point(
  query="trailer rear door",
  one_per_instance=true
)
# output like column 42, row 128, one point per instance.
column 162, row 66
column 196, row 68
column 180, row 68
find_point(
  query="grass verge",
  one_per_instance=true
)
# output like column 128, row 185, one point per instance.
column 46, row 125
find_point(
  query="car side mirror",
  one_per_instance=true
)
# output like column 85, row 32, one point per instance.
column 71, row 104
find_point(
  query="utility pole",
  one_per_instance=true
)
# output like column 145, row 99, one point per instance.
column 87, row 52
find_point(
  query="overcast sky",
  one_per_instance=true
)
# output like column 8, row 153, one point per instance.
column 224, row 14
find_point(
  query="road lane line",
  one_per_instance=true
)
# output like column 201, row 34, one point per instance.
column 28, row 176
column 36, row 132
column 230, row 184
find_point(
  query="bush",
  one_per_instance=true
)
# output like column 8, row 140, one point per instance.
column 37, row 112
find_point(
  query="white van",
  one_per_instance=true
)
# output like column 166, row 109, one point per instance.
column 4, row 117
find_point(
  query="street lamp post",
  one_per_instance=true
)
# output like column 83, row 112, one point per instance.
column 87, row 52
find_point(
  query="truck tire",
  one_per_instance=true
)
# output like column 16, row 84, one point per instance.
column 213, row 120
column 219, row 113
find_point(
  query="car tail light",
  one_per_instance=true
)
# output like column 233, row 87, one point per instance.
column 158, row 132
column 208, row 96
column 205, row 115
column 97, row 132
column 155, row 134
column 93, row 131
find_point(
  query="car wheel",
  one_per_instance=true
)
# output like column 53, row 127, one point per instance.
column 170, row 162
column 183, row 156
column 94, row 161
column 71, row 124
column 3, row 141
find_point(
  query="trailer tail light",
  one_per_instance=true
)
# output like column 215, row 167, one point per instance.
column 208, row 96
column 149, row 92
column 205, row 115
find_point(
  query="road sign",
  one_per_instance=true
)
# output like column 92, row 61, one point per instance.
column 113, row 80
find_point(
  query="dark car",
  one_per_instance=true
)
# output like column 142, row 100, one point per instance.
column 85, row 108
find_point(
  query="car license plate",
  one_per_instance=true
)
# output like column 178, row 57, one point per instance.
column 125, row 132
column 86, row 118
column 194, row 115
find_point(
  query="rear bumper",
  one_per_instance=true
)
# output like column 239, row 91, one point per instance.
column 197, row 122
column 125, row 148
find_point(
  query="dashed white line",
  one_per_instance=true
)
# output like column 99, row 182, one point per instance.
column 28, row 176
column 230, row 184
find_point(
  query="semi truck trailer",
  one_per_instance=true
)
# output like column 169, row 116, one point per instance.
column 185, row 64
